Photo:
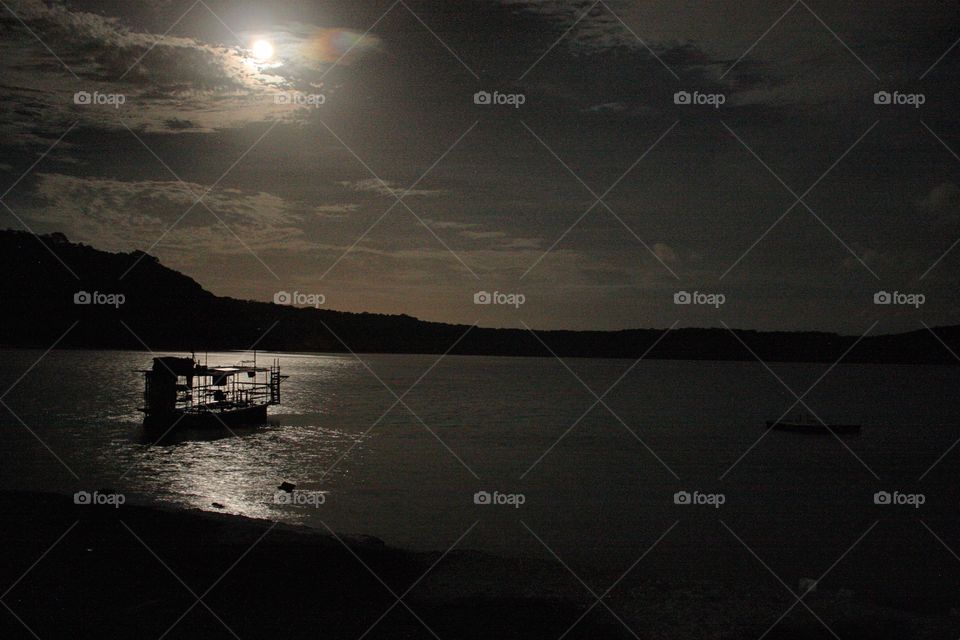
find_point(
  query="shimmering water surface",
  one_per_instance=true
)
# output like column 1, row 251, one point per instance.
column 598, row 479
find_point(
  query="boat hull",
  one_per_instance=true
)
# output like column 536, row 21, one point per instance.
column 816, row 428
column 252, row 415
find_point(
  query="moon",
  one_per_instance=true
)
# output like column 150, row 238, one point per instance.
column 262, row 50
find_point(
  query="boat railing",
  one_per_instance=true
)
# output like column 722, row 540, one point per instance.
column 205, row 388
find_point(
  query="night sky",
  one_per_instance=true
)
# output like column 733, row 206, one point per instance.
column 598, row 198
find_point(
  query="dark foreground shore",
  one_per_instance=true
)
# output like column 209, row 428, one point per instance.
column 138, row 571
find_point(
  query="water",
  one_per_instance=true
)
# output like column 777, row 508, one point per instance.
column 598, row 496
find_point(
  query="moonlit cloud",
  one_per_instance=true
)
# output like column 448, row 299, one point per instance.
column 169, row 83
column 335, row 209
column 387, row 188
column 316, row 47
column 106, row 213
column 665, row 252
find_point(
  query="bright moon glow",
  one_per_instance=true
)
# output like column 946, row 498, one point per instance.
column 262, row 50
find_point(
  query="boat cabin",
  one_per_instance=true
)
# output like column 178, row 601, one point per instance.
column 181, row 391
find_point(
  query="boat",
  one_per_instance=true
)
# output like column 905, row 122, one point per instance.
column 803, row 424
column 181, row 392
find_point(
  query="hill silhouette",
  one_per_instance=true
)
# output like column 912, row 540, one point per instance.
column 167, row 310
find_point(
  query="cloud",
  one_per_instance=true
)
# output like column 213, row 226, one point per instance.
column 521, row 243
column 170, row 83
column 386, row 188
column 606, row 107
column 335, row 210
column 482, row 235
column 312, row 46
column 727, row 47
column 101, row 48
column 665, row 252
column 116, row 215
column 450, row 224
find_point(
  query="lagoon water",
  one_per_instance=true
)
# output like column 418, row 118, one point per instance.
column 597, row 483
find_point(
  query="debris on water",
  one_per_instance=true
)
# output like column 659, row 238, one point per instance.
column 216, row 505
column 807, row 585
column 287, row 486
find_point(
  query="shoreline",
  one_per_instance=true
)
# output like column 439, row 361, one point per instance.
column 119, row 571
column 747, row 358
column 109, row 570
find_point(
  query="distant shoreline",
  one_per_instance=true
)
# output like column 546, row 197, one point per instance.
column 163, row 309
column 546, row 356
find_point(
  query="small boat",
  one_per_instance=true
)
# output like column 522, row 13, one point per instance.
column 181, row 392
column 803, row 424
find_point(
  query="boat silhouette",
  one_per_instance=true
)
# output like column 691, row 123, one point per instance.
column 182, row 393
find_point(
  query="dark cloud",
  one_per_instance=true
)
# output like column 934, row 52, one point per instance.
column 305, row 154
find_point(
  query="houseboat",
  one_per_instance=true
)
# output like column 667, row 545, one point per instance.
column 181, row 392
